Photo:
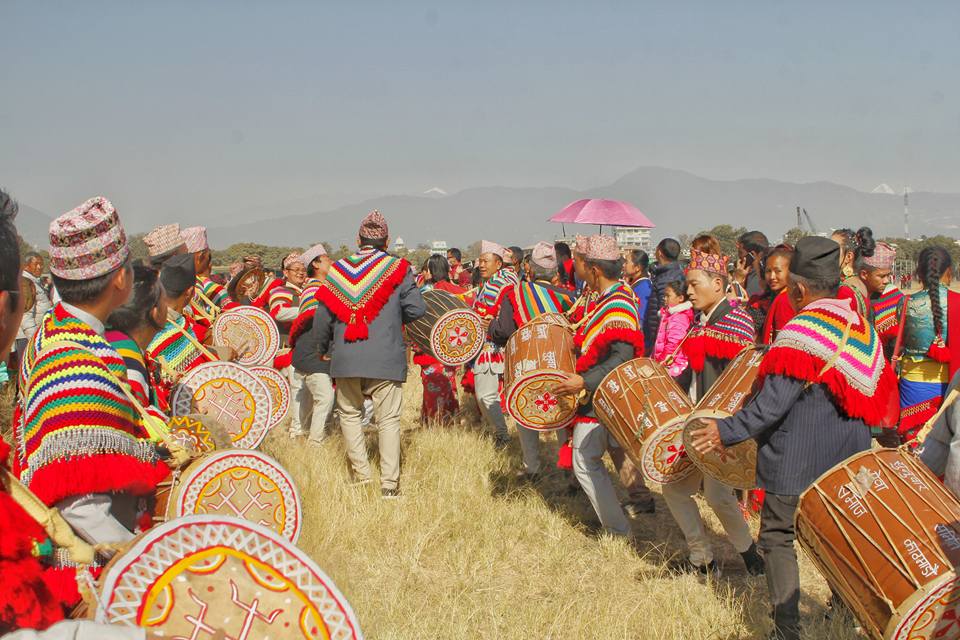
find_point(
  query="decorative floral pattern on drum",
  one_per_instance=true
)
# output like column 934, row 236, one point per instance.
column 192, row 434
column 534, row 405
column 457, row 337
column 664, row 458
column 227, row 402
column 187, row 581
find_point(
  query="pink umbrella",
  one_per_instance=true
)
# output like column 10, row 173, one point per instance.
column 599, row 211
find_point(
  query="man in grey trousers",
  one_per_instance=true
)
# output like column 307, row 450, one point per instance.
column 364, row 302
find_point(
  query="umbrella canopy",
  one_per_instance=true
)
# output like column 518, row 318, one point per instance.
column 599, row 211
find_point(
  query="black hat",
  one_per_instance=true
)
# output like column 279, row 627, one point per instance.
column 178, row 274
column 816, row 258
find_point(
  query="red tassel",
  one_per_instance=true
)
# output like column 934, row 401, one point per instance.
column 347, row 314
column 106, row 473
column 939, row 351
column 565, row 456
column 282, row 362
column 300, row 326
column 356, row 331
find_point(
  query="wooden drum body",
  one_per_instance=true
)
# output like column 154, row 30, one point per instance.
column 735, row 466
column 643, row 408
column 884, row 532
column 196, row 574
column 450, row 330
column 538, row 356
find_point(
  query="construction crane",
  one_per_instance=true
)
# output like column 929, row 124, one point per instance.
column 813, row 227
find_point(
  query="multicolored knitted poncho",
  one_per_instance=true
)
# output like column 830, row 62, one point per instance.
column 357, row 287
column 531, row 299
column 614, row 319
column 723, row 339
column 174, row 348
column 284, row 301
column 487, row 304
column 858, row 376
column 76, row 432
column 138, row 371
column 308, row 307
column 886, row 314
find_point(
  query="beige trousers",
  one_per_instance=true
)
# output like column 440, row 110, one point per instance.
column 387, row 401
column 723, row 501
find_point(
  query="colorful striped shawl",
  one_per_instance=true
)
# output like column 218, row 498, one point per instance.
column 531, row 299
column 308, row 307
column 212, row 291
column 614, row 319
column 860, row 379
column 357, row 287
column 77, row 432
column 487, row 302
column 886, row 316
column 138, row 371
column 723, row 338
column 283, row 298
column 175, row 348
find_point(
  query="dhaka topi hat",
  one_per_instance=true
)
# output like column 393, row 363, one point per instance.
column 289, row 259
column 709, row 262
column 312, row 254
column 88, row 241
column 492, row 247
column 580, row 244
column 816, row 258
column 602, row 248
column 178, row 274
column 195, row 238
column 883, row 257
column 163, row 240
column 544, row 256
column 374, row 226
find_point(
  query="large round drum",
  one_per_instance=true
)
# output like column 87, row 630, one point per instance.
column 735, row 466
column 643, row 408
column 229, row 394
column 194, row 575
column 250, row 332
column 236, row 482
column 279, row 389
column 450, row 330
column 884, row 532
column 538, row 356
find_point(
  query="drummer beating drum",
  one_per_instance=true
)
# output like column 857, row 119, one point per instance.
column 824, row 383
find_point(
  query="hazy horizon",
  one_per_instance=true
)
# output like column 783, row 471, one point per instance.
column 224, row 112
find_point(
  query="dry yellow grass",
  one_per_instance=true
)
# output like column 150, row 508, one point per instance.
column 470, row 553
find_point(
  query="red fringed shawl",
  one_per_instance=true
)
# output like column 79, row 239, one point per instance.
column 723, row 339
column 860, row 380
column 613, row 320
column 358, row 286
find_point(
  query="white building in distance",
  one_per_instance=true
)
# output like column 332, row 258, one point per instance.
column 633, row 238
column 399, row 244
column 438, row 247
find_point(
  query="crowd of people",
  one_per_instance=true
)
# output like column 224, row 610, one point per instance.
column 851, row 359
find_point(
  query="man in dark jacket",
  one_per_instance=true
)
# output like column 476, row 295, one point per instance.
column 666, row 270
column 811, row 413
column 364, row 303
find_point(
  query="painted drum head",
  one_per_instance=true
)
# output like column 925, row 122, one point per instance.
column 190, row 576
column 242, row 483
column 279, row 389
column 198, row 433
column 457, row 337
column 250, row 332
column 229, row 394
column 533, row 404
column 664, row 457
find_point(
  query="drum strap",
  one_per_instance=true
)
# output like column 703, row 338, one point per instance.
column 832, row 362
column 193, row 341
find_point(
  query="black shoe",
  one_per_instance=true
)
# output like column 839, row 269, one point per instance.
column 753, row 560
column 634, row 509
column 389, row 494
column 685, row 566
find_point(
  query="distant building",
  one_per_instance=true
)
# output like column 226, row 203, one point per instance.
column 399, row 244
column 633, row 238
column 438, row 247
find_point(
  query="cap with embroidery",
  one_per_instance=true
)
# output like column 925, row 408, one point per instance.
column 581, row 244
column 883, row 256
column 312, row 254
column 709, row 262
column 492, row 247
column 195, row 238
column 289, row 259
column 163, row 240
column 88, row 241
column 544, row 256
column 602, row 248
column 374, row 226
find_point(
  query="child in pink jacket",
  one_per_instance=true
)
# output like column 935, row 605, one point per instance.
column 676, row 316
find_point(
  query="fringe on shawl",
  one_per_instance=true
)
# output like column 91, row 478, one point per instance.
column 103, row 473
column 708, row 345
column 601, row 345
column 357, row 319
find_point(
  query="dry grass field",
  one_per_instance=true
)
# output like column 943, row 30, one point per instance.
column 469, row 552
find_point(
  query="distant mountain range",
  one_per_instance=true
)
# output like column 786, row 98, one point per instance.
column 677, row 202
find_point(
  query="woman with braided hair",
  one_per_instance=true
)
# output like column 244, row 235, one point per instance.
column 931, row 341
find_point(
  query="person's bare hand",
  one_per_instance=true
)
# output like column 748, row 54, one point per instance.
column 707, row 437
column 573, row 385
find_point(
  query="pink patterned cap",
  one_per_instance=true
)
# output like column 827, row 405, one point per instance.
column 709, row 262
column 492, row 247
column 374, row 226
column 163, row 240
column 544, row 255
column 312, row 254
column 602, row 248
column 88, row 241
column 195, row 238
column 581, row 244
column 883, row 256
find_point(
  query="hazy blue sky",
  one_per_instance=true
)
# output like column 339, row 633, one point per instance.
column 204, row 110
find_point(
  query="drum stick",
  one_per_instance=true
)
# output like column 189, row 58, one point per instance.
column 947, row 403
column 214, row 309
column 193, row 341
column 165, row 366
